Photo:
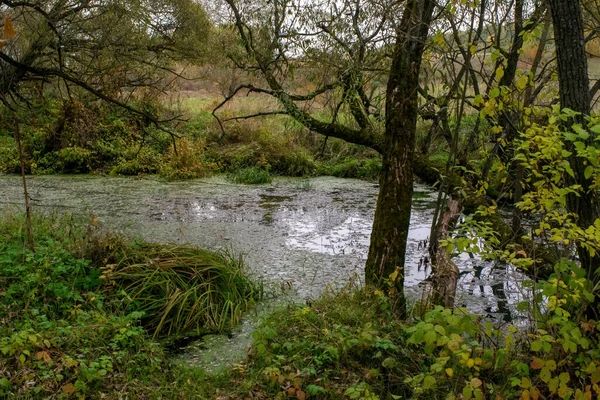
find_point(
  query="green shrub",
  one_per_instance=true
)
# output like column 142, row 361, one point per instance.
column 189, row 162
column 74, row 160
column 9, row 160
column 137, row 161
column 351, row 167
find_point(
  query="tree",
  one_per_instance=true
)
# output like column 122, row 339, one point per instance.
column 350, row 41
column 575, row 95
column 107, row 48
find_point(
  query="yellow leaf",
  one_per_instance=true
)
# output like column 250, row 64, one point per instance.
column 9, row 30
column 476, row 382
column 450, row 372
column 563, row 391
column 69, row 389
column 522, row 82
column 70, row 363
column 438, row 39
column 551, row 365
column 499, row 73
column 537, row 363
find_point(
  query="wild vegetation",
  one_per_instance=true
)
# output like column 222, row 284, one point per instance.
column 81, row 314
column 493, row 102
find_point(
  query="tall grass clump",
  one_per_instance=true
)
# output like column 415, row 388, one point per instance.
column 251, row 176
column 185, row 290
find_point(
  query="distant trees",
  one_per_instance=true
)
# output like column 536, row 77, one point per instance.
column 108, row 48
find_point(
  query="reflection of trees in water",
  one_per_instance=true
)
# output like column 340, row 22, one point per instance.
column 499, row 274
column 500, row 293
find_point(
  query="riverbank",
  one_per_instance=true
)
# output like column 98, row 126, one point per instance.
column 70, row 329
column 117, row 145
column 85, row 312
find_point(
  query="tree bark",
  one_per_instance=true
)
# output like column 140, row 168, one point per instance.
column 574, row 87
column 392, row 215
column 444, row 271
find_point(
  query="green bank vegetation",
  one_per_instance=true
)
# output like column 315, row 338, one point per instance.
column 83, row 314
column 86, row 315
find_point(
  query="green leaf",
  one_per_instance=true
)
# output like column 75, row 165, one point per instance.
column 495, row 92
column 589, row 171
column 389, row 362
column 428, row 382
column 499, row 73
column 467, row 392
column 582, row 133
column 521, row 83
column 571, row 137
column 536, row 345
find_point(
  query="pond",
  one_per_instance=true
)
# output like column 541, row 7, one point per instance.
column 302, row 234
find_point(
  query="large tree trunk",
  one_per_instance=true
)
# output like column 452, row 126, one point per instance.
column 392, row 215
column 575, row 95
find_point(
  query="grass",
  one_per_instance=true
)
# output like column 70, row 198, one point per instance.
column 251, row 176
column 68, row 331
column 184, row 290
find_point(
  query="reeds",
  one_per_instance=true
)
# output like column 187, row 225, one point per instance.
column 185, row 290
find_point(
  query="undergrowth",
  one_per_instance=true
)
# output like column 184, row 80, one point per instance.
column 73, row 137
column 349, row 345
column 73, row 325
column 251, row 176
